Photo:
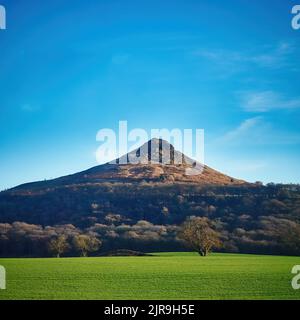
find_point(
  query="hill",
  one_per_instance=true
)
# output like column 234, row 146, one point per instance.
column 113, row 188
column 140, row 206
column 158, row 162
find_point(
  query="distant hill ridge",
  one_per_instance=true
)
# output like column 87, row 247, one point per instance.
column 151, row 167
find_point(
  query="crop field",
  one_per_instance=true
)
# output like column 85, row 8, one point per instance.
column 162, row 276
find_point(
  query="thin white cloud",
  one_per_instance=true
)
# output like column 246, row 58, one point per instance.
column 265, row 101
column 275, row 57
column 257, row 131
column 243, row 131
column 268, row 57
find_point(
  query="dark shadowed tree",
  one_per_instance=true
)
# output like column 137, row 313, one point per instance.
column 59, row 245
column 198, row 233
column 86, row 243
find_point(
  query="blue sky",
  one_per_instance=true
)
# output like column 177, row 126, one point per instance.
column 70, row 68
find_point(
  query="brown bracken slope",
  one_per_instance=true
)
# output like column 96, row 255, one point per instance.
column 158, row 162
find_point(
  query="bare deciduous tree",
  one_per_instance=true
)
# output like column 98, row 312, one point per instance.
column 59, row 245
column 198, row 233
column 85, row 244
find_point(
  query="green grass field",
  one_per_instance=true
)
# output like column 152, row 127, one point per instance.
column 163, row 276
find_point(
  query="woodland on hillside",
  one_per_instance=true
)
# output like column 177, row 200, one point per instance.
column 147, row 216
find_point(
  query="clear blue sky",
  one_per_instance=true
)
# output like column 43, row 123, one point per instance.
column 70, row 68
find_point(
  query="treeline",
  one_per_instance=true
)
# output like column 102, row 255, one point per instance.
column 160, row 204
column 27, row 240
column 268, row 235
column 146, row 217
